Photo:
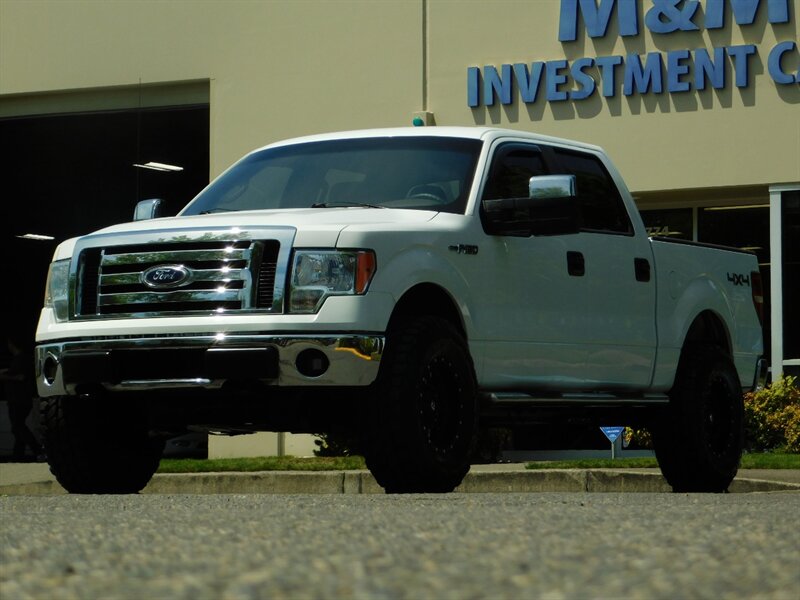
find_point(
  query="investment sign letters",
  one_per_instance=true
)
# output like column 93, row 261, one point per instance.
column 673, row 71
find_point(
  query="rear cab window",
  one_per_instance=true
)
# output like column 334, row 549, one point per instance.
column 601, row 207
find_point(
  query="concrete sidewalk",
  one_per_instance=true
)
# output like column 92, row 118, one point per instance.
column 36, row 479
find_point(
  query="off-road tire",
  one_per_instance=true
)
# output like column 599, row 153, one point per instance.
column 422, row 425
column 94, row 448
column 698, row 440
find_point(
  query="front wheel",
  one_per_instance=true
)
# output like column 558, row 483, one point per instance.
column 95, row 447
column 422, row 425
column 699, row 440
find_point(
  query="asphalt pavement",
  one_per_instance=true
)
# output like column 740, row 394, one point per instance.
column 36, row 479
column 556, row 546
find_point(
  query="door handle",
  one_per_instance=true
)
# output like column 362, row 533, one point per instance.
column 576, row 264
column 642, row 268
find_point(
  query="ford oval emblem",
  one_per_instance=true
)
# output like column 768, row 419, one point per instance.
column 166, row 276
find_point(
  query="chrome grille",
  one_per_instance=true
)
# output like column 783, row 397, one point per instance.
column 218, row 276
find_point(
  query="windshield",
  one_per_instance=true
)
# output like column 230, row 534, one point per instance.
column 424, row 173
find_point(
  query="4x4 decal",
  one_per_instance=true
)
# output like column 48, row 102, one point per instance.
column 739, row 279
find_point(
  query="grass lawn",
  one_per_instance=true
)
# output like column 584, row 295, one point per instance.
column 346, row 463
column 264, row 463
column 766, row 460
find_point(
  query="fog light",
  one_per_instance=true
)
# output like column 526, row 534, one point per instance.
column 312, row 363
column 49, row 369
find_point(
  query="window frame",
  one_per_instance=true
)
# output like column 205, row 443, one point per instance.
column 561, row 169
column 504, row 148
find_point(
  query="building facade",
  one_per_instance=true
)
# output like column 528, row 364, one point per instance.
column 696, row 101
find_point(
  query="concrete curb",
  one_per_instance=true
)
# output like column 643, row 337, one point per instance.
column 362, row 482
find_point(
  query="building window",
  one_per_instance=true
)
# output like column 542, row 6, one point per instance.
column 790, row 225
column 745, row 227
column 671, row 222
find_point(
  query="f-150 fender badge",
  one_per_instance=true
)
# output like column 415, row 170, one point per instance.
column 739, row 279
column 464, row 249
column 166, row 276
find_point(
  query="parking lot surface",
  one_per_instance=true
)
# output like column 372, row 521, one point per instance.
column 547, row 545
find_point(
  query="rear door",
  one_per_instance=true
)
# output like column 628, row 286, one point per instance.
column 620, row 333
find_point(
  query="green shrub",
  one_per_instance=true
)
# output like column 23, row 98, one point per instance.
column 771, row 420
column 338, row 444
column 637, row 439
column 772, row 417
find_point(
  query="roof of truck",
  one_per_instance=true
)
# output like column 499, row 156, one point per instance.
column 478, row 133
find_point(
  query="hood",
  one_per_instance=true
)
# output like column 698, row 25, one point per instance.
column 299, row 218
column 318, row 227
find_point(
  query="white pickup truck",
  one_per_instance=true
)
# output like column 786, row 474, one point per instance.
column 409, row 286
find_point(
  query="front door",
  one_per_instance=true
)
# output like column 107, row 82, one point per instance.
column 530, row 317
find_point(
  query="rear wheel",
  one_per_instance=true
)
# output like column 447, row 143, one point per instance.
column 698, row 442
column 96, row 448
column 423, row 424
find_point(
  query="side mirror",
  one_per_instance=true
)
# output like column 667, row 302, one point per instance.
column 149, row 209
column 550, row 209
column 550, row 187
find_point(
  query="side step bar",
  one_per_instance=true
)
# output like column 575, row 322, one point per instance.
column 577, row 399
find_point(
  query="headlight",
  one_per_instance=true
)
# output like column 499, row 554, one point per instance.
column 317, row 274
column 56, row 295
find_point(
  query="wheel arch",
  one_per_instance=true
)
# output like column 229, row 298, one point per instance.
column 708, row 329
column 428, row 299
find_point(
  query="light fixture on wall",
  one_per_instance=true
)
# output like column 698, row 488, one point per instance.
column 741, row 207
column 36, row 236
column 157, row 166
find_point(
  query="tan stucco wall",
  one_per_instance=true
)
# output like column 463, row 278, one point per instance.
column 282, row 68
column 279, row 68
column 695, row 139
column 276, row 68
column 261, row 444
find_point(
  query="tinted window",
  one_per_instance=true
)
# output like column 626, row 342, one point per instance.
column 512, row 168
column 669, row 222
column 598, row 197
column 424, row 173
column 790, row 225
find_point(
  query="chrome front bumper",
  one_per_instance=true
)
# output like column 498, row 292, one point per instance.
column 207, row 361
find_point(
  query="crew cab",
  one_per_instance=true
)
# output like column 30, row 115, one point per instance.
column 411, row 287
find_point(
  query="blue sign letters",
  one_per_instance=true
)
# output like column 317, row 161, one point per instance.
column 675, row 71
column 596, row 18
column 666, row 16
column 744, row 11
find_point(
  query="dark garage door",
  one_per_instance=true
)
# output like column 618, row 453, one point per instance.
column 67, row 175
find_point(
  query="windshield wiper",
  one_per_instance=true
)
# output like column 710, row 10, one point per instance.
column 216, row 210
column 345, row 204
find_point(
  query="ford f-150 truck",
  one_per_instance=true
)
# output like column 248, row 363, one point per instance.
column 410, row 287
